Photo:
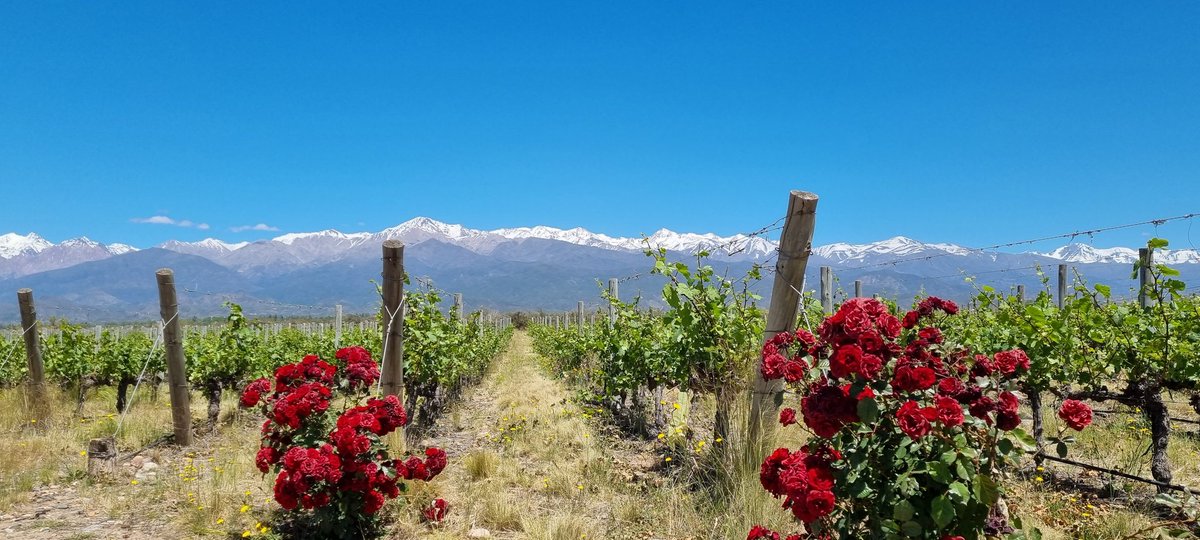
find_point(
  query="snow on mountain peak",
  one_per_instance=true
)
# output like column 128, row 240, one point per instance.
column 1085, row 254
column 432, row 227
column 13, row 244
column 120, row 249
column 213, row 243
column 291, row 238
column 82, row 241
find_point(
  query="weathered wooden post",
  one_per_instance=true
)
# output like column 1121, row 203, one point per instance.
column 858, row 288
column 337, row 326
column 102, row 457
column 177, row 382
column 39, row 405
column 795, row 244
column 1145, row 260
column 827, row 289
column 1062, row 284
column 458, row 307
column 1020, row 294
column 579, row 315
column 612, row 307
column 33, row 343
column 392, row 379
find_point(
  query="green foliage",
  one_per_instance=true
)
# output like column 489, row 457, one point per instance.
column 1091, row 340
column 228, row 359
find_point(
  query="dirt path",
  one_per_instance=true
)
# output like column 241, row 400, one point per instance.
column 57, row 512
column 528, row 462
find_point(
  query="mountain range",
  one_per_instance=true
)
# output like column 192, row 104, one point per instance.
column 526, row 268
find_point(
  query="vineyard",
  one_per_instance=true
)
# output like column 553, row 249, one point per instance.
column 1068, row 413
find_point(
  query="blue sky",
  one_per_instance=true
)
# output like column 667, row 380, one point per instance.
column 944, row 121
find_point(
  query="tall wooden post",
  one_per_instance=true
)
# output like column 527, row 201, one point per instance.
column 827, row 289
column 33, row 344
column 579, row 315
column 458, row 306
column 1144, row 257
column 858, row 288
column 1062, row 285
column 795, row 243
column 168, row 309
column 612, row 308
column 1020, row 294
column 393, row 319
column 39, row 405
column 337, row 326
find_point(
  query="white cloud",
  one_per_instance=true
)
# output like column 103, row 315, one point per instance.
column 258, row 227
column 165, row 220
column 158, row 220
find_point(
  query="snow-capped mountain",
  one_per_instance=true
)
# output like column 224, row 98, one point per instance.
column 29, row 254
column 13, row 244
column 896, row 247
column 1083, row 253
column 512, row 268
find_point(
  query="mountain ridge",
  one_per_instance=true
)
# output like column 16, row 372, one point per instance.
column 526, row 268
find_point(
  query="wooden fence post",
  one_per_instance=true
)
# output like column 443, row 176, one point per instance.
column 39, row 405
column 177, row 382
column 33, row 343
column 458, row 306
column 337, row 326
column 1144, row 277
column 393, row 319
column 579, row 315
column 1020, row 294
column 858, row 288
column 612, row 308
column 827, row 289
column 795, row 243
column 1062, row 284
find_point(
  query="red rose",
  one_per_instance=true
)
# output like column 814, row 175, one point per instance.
column 1076, row 414
column 912, row 421
column 827, row 408
column 1008, row 402
column 1007, row 421
column 254, row 391
column 870, row 366
column 794, row 370
column 372, row 501
column 820, row 503
column 930, row 334
column 871, row 341
column 1009, row 362
column 949, row 411
column 845, row 361
column 437, row 510
column 820, row 478
column 951, row 386
column 772, row 364
column 787, row 416
column 889, row 325
column 910, row 379
column 983, row 366
column 266, row 457
column 981, row 407
column 758, row 532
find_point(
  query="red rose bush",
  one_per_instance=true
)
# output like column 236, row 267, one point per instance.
column 910, row 433
column 333, row 470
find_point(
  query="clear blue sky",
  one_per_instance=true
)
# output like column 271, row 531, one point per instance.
column 960, row 122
